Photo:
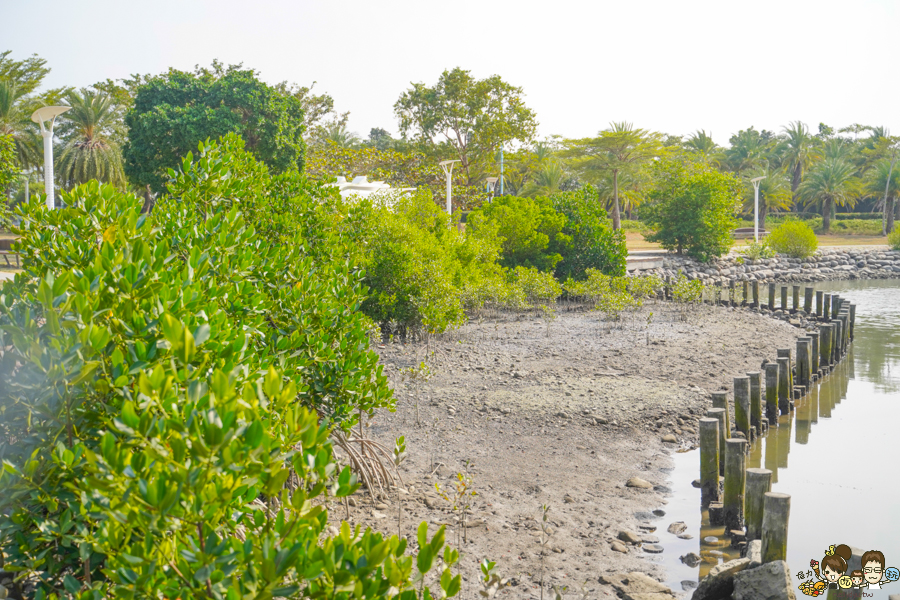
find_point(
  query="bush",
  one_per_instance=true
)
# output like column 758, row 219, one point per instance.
column 794, row 238
column 594, row 243
column 893, row 238
column 168, row 384
column 758, row 250
column 693, row 209
column 530, row 229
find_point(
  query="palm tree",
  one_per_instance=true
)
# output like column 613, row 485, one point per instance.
column 831, row 182
column 89, row 151
column 750, row 149
column 799, row 152
column 883, row 180
column 336, row 131
column 774, row 193
column 701, row 144
column 546, row 182
column 15, row 111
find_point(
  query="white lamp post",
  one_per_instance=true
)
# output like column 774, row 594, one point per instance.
column 755, row 181
column 48, row 113
column 447, row 166
column 491, row 185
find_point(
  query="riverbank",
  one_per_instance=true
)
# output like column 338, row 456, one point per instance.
column 564, row 417
column 827, row 264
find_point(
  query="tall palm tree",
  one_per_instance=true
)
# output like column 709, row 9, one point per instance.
column 546, row 182
column 831, row 182
column 89, row 151
column 799, row 152
column 702, row 145
column 750, row 149
column 883, row 180
column 336, row 131
column 15, row 111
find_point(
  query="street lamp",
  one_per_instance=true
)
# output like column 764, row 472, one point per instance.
column 755, row 181
column 447, row 167
column 48, row 113
column 491, row 185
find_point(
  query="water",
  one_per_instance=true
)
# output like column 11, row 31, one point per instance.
column 837, row 455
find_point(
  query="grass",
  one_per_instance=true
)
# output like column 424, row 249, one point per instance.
column 635, row 241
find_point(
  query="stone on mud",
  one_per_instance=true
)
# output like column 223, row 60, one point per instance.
column 637, row 482
column 771, row 581
column 719, row 583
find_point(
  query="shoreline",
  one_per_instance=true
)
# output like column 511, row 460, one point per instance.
column 574, row 417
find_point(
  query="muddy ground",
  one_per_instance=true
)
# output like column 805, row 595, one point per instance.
column 560, row 417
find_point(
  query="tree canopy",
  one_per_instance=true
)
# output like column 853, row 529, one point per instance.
column 175, row 111
column 473, row 116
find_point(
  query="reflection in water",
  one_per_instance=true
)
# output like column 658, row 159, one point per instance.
column 844, row 453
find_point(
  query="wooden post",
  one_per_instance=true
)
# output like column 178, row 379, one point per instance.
column 814, row 352
column 819, row 294
column 755, row 400
column 845, row 324
column 772, row 393
column 755, row 288
column 808, row 300
column 742, row 405
column 786, row 353
column 771, row 297
column 826, row 307
column 826, row 330
column 735, row 483
column 759, row 481
column 731, row 293
column 720, row 400
column 668, row 287
column 784, row 298
column 836, row 341
column 719, row 415
column 835, row 305
column 746, row 289
column 796, row 298
column 784, row 387
column 804, row 366
column 709, row 460
column 852, row 319
column 776, row 514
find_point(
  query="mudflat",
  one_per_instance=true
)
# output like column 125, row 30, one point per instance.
column 571, row 415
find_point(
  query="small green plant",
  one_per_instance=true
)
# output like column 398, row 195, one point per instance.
column 418, row 375
column 491, row 583
column 686, row 293
column 794, row 238
column 546, row 532
column 893, row 238
column 399, row 455
column 757, row 251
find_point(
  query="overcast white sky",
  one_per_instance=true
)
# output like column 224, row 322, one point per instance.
column 672, row 66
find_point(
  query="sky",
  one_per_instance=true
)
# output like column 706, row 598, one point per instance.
column 670, row 66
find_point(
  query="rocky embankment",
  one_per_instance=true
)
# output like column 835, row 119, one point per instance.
column 824, row 265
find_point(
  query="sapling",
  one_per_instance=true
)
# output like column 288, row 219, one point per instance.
column 491, row 583
column 545, row 539
column 399, row 456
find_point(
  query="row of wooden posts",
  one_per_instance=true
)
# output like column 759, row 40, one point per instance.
column 747, row 499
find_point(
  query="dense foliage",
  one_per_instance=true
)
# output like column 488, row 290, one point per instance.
column 894, row 237
column 794, row 238
column 531, row 230
column 693, row 208
column 594, row 243
column 175, row 111
column 9, row 172
column 167, row 387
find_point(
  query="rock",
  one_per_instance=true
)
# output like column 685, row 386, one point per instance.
column 647, row 527
column 685, row 536
column 659, row 512
column 697, row 484
column 677, row 527
column 669, row 438
column 637, row 482
column 637, row 586
column 561, row 414
column 737, row 536
column 688, row 585
column 381, row 506
column 629, row 536
column 649, row 539
column 719, row 583
column 652, row 548
column 770, row 581
column 568, row 499
column 690, row 559
column 601, row 421
column 716, row 513
column 618, row 547
column 754, row 553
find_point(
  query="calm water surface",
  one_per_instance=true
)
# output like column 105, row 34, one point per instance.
column 837, row 455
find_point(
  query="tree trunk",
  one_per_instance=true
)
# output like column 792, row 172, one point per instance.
column 617, row 219
column 827, row 207
column 149, row 202
column 763, row 211
column 795, row 182
column 889, row 214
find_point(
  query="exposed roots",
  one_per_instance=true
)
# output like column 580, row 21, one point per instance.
column 371, row 461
